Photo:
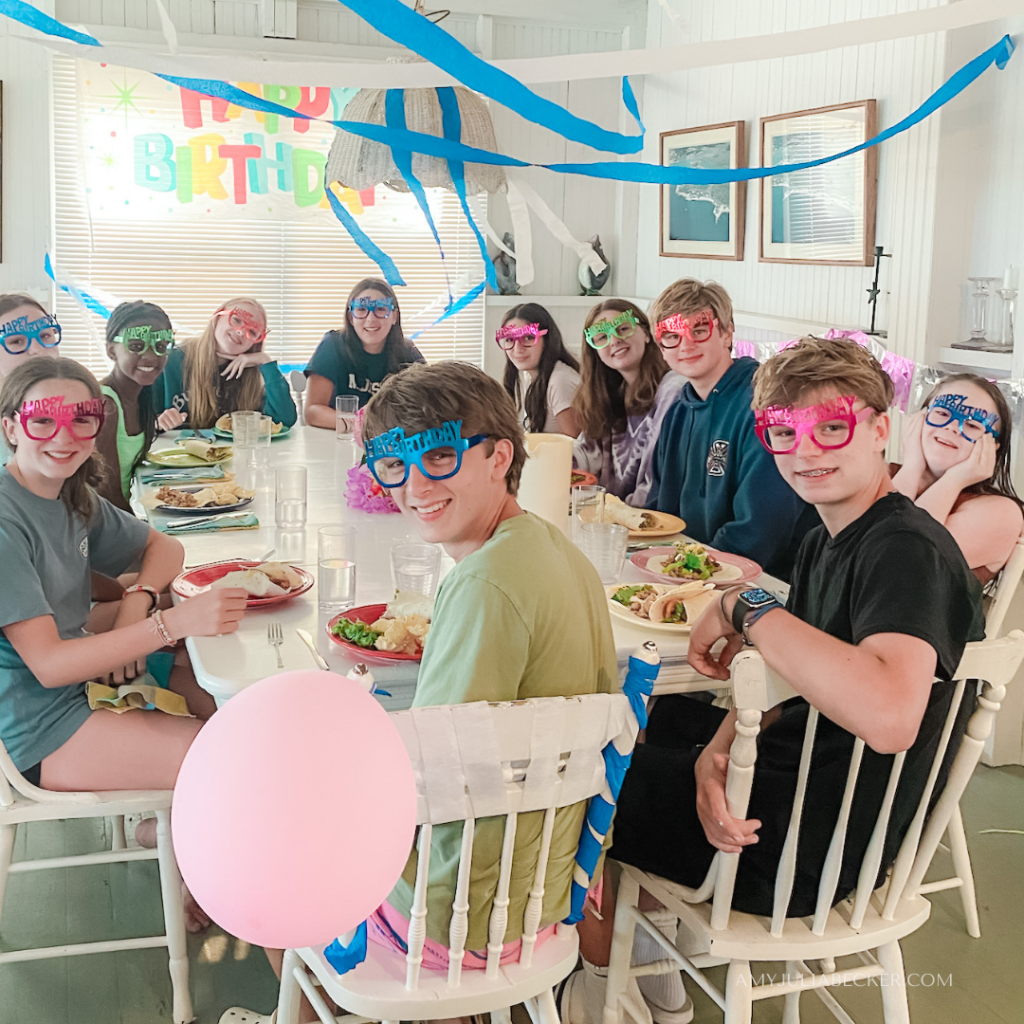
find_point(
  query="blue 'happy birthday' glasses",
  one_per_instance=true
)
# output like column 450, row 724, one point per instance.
column 436, row 452
column 17, row 336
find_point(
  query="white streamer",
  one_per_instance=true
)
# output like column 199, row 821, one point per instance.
column 522, row 231
column 167, row 27
column 563, row 68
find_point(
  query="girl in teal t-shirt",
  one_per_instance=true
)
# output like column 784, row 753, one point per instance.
column 139, row 340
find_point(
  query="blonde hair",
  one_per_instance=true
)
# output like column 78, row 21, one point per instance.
column 814, row 363
column 687, row 296
column 200, row 373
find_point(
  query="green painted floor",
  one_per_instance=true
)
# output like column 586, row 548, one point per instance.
column 982, row 981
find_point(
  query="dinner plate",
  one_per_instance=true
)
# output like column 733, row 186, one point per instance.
column 368, row 613
column 735, row 568
column 665, row 525
column 201, row 509
column 581, row 479
column 178, row 458
column 198, row 581
column 622, row 612
column 273, row 437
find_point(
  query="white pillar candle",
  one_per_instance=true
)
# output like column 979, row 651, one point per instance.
column 1010, row 277
column 547, row 476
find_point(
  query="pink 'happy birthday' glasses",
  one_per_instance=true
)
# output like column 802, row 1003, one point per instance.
column 670, row 332
column 42, row 418
column 508, row 336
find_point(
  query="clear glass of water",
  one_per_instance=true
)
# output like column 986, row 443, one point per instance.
column 336, row 567
column 587, row 507
column 245, row 429
column 345, row 407
column 605, row 545
column 416, row 567
column 290, row 497
column 265, row 431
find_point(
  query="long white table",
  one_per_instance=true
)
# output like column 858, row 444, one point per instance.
column 224, row 665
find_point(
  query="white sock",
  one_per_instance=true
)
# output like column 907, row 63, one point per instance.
column 588, row 997
column 663, row 990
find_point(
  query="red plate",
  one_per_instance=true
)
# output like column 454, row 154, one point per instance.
column 748, row 570
column 198, row 580
column 368, row 613
column 584, row 479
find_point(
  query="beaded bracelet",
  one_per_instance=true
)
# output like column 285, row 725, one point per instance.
column 143, row 588
column 161, row 630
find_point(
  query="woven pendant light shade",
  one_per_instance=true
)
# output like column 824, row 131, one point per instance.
column 362, row 163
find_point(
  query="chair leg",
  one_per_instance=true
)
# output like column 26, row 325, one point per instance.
column 621, row 957
column 543, row 1009
column 118, row 840
column 791, row 1011
column 8, row 833
column 962, row 867
column 174, row 919
column 499, row 1016
column 895, row 1009
column 739, row 994
column 290, row 993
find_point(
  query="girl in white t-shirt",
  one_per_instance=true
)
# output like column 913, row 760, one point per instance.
column 533, row 345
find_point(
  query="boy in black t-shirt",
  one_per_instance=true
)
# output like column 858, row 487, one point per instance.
column 882, row 603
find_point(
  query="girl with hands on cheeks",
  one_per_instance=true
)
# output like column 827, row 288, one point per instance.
column 223, row 371
column 956, row 466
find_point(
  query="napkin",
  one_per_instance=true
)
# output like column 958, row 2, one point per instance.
column 138, row 694
column 241, row 521
column 185, row 475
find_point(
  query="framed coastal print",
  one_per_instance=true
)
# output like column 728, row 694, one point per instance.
column 824, row 214
column 704, row 220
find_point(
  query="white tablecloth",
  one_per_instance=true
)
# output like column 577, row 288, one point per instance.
column 224, row 665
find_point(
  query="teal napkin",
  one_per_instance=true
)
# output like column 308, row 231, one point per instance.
column 185, row 475
column 231, row 521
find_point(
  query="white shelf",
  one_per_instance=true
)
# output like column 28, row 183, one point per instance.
column 999, row 363
column 507, row 301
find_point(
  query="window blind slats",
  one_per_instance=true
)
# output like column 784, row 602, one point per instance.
column 300, row 271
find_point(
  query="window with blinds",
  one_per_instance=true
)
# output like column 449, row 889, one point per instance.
column 301, row 268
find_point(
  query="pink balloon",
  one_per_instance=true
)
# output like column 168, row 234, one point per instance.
column 294, row 810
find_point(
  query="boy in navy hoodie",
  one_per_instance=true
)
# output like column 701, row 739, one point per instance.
column 709, row 467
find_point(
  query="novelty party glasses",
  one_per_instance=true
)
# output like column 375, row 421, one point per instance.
column 241, row 321
column 437, row 453
column 360, row 309
column 974, row 423
column 829, row 425
column 138, row 339
column 42, row 418
column 599, row 335
column 670, row 332
column 18, row 335
column 507, row 336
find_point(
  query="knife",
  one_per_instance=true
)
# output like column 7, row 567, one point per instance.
column 317, row 657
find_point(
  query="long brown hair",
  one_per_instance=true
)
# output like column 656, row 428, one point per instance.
column 535, row 401
column 398, row 351
column 604, row 399
column 201, row 370
column 78, row 492
column 1000, row 482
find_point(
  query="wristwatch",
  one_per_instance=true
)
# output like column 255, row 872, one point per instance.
column 749, row 607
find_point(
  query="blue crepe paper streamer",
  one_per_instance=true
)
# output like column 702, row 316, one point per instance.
column 639, row 683
column 451, row 124
column 363, row 240
column 394, row 115
column 456, row 307
column 653, row 174
column 344, row 958
column 26, row 14
column 403, row 25
column 92, row 304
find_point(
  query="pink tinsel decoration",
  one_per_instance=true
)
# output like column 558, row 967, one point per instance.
column 363, row 492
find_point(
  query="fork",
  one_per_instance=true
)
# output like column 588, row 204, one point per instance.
column 275, row 637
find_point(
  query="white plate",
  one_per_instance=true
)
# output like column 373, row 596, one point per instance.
column 622, row 612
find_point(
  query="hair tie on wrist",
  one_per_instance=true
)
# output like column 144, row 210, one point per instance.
column 143, row 588
column 161, row 630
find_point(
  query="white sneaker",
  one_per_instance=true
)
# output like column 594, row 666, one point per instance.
column 581, row 999
column 236, row 1015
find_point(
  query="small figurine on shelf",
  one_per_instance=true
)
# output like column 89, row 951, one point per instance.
column 505, row 267
column 590, row 282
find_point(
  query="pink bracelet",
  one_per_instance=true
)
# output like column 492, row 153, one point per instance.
column 161, row 630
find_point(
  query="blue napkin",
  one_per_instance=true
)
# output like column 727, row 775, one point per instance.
column 183, row 475
column 232, row 521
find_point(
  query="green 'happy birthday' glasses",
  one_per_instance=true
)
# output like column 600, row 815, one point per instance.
column 138, row 339
column 600, row 334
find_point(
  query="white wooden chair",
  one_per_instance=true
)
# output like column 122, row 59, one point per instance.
column 474, row 761
column 297, row 380
column 998, row 603
column 868, row 926
column 21, row 802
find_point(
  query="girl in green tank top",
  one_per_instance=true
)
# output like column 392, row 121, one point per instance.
column 139, row 339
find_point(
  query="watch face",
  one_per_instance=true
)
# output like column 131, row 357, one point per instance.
column 757, row 597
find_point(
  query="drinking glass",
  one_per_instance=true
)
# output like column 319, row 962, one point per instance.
column 264, row 432
column 605, row 545
column 245, row 429
column 336, row 567
column 416, row 567
column 346, row 407
column 587, row 507
column 290, row 497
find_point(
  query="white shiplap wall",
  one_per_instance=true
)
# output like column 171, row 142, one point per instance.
column 899, row 74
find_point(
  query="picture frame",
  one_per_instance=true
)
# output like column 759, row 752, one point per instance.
column 824, row 214
column 704, row 221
